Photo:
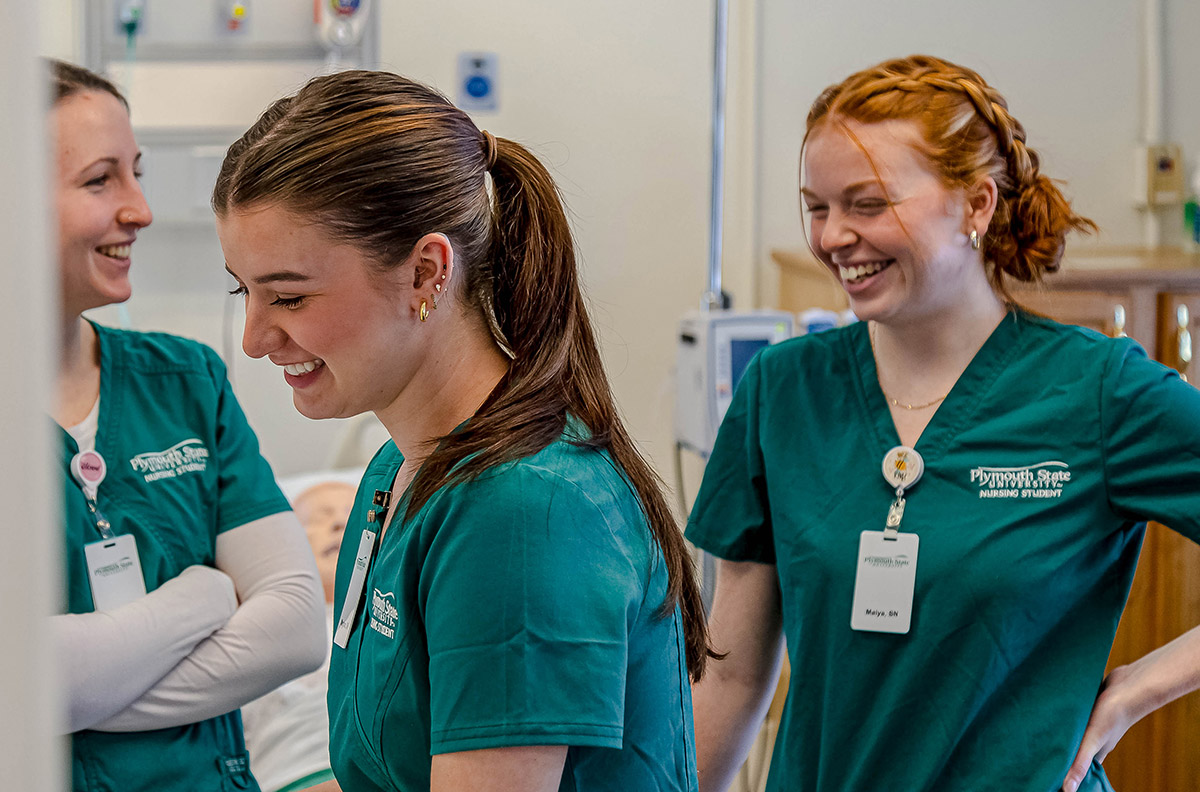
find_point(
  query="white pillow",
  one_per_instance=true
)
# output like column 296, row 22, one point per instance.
column 292, row 486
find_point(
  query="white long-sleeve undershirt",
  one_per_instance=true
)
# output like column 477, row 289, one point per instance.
column 276, row 633
column 109, row 658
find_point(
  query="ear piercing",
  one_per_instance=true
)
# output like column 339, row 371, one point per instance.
column 974, row 237
column 433, row 298
column 437, row 291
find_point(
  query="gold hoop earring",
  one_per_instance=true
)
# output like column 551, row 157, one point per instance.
column 424, row 312
column 975, row 241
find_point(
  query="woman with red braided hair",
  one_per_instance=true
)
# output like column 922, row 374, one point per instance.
column 948, row 616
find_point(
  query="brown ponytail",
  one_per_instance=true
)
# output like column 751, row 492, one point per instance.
column 382, row 160
column 968, row 134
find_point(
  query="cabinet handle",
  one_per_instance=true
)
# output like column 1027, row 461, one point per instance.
column 1184, row 320
column 1119, row 321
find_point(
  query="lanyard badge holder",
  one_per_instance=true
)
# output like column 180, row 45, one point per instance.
column 114, row 568
column 887, row 560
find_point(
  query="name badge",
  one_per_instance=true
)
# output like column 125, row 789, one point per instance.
column 366, row 544
column 883, row 588
column 115, row 572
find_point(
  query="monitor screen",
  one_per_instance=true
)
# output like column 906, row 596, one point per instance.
column 740, row 352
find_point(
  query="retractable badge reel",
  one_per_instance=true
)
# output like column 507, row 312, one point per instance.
column 88, row 469
column 902, row 468
column 114, row 567
column 887, row 559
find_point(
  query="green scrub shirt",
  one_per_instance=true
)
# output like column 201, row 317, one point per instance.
column 183, row 466
column 519, row 608
column 1041, row 466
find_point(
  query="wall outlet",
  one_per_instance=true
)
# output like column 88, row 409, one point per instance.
column 1159, row 178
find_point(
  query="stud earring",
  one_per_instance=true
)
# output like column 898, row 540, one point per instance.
column 974, row 237
column 424, row 312
column 437, row 290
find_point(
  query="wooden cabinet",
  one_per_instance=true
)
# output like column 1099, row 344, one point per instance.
column 1139, row 293
column 1177, row 332
column 1102, row 311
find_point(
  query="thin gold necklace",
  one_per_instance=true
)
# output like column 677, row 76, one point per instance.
column 891, row 401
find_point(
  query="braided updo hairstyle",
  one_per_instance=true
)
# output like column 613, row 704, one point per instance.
column 968, row 134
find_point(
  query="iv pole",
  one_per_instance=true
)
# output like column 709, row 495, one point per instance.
column 715, row 298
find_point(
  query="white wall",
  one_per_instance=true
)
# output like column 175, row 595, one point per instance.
column 59, row 33
column 1182, row 88
column 1071, row 70
column 30, row 759
column 615, row 99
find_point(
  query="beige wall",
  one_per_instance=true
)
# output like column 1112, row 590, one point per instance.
column 59, row 34
column 1071, row 70
column 615, row 98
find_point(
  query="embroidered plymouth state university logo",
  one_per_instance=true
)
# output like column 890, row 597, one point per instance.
column 383, row 614
column 187, row 456
column 1043, row 480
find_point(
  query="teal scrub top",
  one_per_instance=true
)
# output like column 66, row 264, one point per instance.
column 519, row 608
column 183, row 467
column 1041, row 466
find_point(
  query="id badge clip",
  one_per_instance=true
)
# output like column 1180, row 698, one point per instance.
column 381, row 501
column 88, row 469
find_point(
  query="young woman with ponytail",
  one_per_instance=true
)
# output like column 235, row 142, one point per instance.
column 938, row 509
column 513, row 596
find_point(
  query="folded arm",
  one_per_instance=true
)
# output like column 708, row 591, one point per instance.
column 276, row 634
column 110, row 658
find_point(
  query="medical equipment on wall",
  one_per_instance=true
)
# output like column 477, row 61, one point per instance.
column 713, row 352
column 129, row 22
column 715, row 343
column 714, row 348
column 230, row 57
column 197, row 74
column 341, row 25
column 215, row 31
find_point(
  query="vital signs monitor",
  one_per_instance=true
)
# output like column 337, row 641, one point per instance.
column 714, row 349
